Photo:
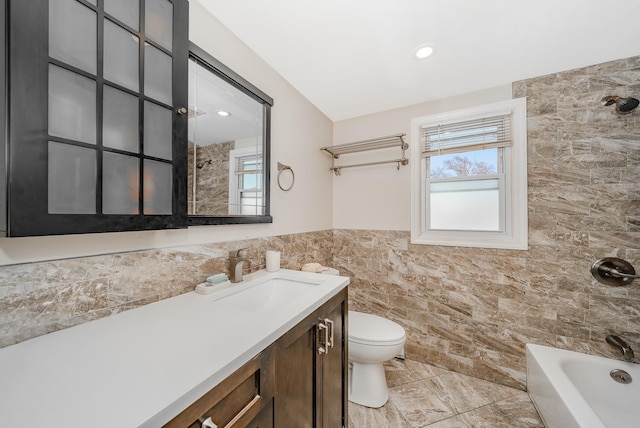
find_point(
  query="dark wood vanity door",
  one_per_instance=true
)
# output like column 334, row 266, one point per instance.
column 311, row 387
column 334, row 372
column 295, row 398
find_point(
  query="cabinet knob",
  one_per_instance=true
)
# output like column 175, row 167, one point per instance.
column 182, row 110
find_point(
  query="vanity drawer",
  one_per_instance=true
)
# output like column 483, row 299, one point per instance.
column 237, row 401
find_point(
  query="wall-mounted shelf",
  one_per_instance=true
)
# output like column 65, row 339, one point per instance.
column 366, row 145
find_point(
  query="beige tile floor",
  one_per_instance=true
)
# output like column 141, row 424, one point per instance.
column 421, row 395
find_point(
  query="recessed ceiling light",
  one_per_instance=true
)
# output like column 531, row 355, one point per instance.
column 224, row 113
column 423, row 51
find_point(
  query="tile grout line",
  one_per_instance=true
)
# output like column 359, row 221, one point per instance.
column 466, row 411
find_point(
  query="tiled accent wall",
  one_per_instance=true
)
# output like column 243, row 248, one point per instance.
column 468, row 310
column 212, row 180
column 472, row 310
column 39, row 298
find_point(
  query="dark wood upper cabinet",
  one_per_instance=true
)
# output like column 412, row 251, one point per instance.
column 96, row 129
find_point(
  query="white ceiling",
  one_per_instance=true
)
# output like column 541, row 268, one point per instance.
column 354, row 57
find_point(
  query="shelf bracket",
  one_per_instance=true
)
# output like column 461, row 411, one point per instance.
column 366, row 145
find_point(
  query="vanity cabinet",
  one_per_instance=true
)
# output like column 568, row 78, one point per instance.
column 311, row 369
column 299, row 381
column 244, row 399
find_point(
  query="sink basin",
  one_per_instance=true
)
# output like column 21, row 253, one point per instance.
column 268, row 295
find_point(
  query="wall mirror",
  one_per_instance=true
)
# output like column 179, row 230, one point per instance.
column 229, row 147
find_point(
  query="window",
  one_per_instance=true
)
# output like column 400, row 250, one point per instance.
column 469, row 187
column 245, row 185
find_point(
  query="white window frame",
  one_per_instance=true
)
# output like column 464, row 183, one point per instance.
column 515, row 233
column 234, row 191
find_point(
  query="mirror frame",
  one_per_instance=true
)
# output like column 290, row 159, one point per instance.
column 231, row 77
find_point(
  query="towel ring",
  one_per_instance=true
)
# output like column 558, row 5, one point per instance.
column 282, row 168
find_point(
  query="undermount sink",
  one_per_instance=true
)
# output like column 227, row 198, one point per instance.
column 267, row 295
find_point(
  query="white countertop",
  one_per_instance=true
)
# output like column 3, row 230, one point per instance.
column 144, row 366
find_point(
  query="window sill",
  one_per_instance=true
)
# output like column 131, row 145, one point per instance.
column 472, row 239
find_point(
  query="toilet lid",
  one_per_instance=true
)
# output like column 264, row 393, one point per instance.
column 369, row 328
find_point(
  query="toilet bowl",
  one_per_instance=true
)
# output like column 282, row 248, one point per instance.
column 372, row 341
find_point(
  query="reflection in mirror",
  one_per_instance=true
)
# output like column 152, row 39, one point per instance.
column 228, row 174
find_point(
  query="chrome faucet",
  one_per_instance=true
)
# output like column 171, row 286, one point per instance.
column 237, row 258
column 616, row 341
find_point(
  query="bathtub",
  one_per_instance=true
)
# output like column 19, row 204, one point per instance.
column 570, row 389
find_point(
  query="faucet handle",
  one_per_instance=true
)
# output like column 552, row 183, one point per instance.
column 242, row 252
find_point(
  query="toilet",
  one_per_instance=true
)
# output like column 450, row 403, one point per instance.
column 373, row 340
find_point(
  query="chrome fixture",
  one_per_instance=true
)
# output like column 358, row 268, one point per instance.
column 620, row 376
column 282, row 168
column 201, row 165
column 617, row 342
column 237, row 258
column 613, row 271
column 623, row 105
column 366, row 145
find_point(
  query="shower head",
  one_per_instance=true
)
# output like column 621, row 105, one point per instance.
column 623, row 105
column 201, row 165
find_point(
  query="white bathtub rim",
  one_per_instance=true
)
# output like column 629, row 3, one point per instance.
column 579, row 408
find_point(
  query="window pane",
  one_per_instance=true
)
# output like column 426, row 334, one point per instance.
column 475, row 162
column 159, row 22
column 120, row 124
column 158, row 75
column 72, row 179
column 120, row 183
column 465, row 205
column 120, row 56
column 157, row 131
column 72, row 105
column 158, row 187
column 250, row 203
column 126, row 11
column 73, row 34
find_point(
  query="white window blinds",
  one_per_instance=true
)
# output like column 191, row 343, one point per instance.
column 249, row 164
column 477, row 134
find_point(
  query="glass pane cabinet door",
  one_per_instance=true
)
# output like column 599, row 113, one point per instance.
column 120, row 120
column 125, row 11
column 121, row 53
column 73, row 34
column 97, row 115
column 72, row 105
column 159, row 23
column 72, row 179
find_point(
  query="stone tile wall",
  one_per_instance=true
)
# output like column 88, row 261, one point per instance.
column 472, row 310
column 212, row 180
column 39, row 298
column 468, row 310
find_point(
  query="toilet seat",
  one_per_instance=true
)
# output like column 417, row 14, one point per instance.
column 372, row 330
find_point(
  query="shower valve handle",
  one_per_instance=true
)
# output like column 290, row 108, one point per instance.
column 616, row 273
column 613, row 271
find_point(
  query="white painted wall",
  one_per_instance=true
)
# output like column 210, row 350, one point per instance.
column 298, row 130
column 379, row 197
